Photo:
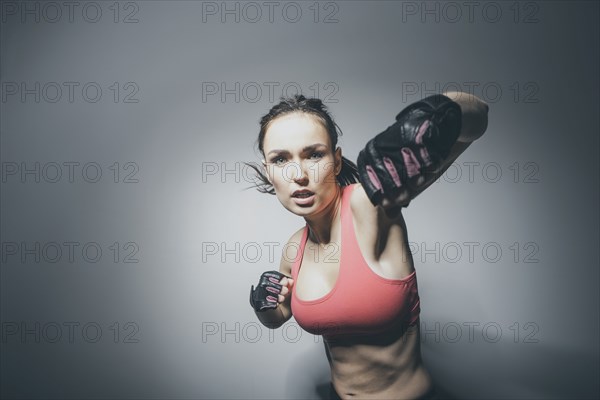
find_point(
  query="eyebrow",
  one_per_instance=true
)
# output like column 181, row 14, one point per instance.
column 304, row 150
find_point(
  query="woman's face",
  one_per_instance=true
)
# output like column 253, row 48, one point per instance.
column 300, row 163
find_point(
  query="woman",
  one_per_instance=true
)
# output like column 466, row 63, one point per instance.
column 353, row 279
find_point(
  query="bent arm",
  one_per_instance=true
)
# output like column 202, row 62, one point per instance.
column 274, row 318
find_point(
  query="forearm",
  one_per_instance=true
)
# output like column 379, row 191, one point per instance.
column 474, row 121
column 428, row 177
column 272, row 319
column 427, row 137
column 474, row 115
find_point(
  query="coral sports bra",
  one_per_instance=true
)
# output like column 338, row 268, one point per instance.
column 361, row 302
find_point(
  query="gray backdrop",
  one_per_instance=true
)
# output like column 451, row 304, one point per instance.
column 129, row 243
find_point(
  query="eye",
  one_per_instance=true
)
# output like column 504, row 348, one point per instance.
column 316, row 155
column 278, row 160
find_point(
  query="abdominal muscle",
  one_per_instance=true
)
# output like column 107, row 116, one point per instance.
column 380, row 366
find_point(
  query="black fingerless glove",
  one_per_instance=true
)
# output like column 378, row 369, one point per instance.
column 419, row 140
column 264, row 297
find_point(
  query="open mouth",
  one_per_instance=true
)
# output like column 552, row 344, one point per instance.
column 302, row 194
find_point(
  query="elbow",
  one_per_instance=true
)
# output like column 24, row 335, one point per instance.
column 474, row 120
column 272, row 324
column 483, row 121
column 475, row 129
column 271, row 319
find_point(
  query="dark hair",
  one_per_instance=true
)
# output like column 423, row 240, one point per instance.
column 312, row 106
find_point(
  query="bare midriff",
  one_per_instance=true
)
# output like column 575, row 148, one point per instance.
column 383, row 366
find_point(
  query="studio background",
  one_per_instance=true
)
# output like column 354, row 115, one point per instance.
column 129, row 242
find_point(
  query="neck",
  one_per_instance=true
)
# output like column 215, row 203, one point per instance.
column 322, row 224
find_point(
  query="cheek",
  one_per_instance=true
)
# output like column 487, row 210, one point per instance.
column 279, row 179
column 326, row 171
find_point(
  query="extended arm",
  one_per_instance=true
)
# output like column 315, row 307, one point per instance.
column 428, row 135
column 474, row 115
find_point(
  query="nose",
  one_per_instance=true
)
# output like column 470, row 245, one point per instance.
column 297, row 173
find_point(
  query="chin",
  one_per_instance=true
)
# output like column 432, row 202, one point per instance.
column 301, row 211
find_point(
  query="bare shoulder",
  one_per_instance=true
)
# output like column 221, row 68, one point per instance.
column 366, row 214
column 361, row 206
column 382, row 241
column 288, row 252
